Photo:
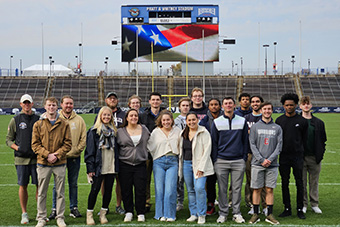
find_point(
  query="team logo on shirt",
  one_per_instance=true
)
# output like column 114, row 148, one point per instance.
column 266, row 141
column 22, row 125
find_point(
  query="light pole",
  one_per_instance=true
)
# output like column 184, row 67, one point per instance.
column 265, row 59
column 232, row 67
column 80, row 57
column 293, row 61
column 236, row 69
column 241, row 66
column 76, row 64
column 50, row 57
column 308, row 66
column 10, row 65
column 282, row 67
column 106, row 63
column 274, row 65
column 20, row 67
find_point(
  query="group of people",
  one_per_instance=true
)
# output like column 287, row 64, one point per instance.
column 204, row 145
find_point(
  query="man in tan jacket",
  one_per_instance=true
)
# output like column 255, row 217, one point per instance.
column 51, row 140
column 78, row 135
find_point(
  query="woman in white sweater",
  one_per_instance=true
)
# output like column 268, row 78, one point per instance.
column 163, row 146
column 195, row 165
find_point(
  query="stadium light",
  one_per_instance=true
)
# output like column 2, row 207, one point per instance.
column 274, row 65
column 10, row 65
column 51, row 62
column 293, row 61
column 265, row 59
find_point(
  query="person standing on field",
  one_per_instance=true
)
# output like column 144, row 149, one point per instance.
column 315, row 149
column 51, row 141
column 78, row 135
column 19, row 136
column 266, row 144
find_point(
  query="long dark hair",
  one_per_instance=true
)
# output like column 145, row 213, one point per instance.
column 125, row 123
column 186, row 130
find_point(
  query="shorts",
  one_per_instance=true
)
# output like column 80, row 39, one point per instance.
column 262, row 176
column 24, row 172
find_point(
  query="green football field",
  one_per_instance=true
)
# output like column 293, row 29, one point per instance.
column 329, row 190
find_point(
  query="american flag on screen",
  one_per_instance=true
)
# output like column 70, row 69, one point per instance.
column 170, row 42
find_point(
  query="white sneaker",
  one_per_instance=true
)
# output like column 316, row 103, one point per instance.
column 216, row 202
column 238, row 218
column 317, row 210
column 201, row 219
column 265, row 211
column 24, row 218
column 304, row 210
column 128, row 217
column 221, row 219
column 141, row 218
column 162, row 219
column 61, row 222
column 41, row 223
column 251, row 211
column 171, row 219
column 192, row 218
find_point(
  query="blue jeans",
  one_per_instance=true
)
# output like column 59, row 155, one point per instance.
column 197, row 195
column 73, row 167
column 165, row 171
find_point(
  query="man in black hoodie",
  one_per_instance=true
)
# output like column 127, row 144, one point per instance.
column 197, row 104
column 295, row 131
column 148, row 118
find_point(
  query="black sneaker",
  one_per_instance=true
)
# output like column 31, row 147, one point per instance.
column 300, row 214
column 287, row 212
column 75, row 213
column 120, row 210
column 53, row 214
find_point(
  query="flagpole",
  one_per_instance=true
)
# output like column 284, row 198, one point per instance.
column 152, row 67
column 137, row 85
column 203, row 67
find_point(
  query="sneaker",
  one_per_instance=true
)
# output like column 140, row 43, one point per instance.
column 201, row 219
column 41, row 223
column 316, row 210
column 221, row 219
column 265, row 211
column 53, row 214
column 179, row 207
column 211, row 209
column 171, row 219
column 251, row 211
column 254, row 219
column 120, row 210
column 107, row 212
column 192, row 218
column 75, row 213
column 162, row 219
column 141, row 218
column 216, row 202
column 300, row 214
column 24, row 218
column 128, row 217
column 287, row 212
column 304, row 210
column 271, row 219
column 61, row 222
column 238, row 218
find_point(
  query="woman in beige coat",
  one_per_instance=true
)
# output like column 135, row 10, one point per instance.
column 195, row 165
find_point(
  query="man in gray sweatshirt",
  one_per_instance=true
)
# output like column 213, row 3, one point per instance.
column 265, row 141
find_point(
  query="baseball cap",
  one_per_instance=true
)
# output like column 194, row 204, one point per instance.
column 26, row 97
column 111, row 93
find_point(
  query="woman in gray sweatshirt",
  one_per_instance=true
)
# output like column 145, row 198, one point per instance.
column 132, row 140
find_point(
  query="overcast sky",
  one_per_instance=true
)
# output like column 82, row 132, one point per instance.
column 274, row 20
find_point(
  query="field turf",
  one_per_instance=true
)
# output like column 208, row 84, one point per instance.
column 329, row 191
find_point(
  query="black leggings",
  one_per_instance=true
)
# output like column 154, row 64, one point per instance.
column 95, row 188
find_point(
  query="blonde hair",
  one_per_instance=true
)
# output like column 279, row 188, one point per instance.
column 98, row 124
column 160, row 116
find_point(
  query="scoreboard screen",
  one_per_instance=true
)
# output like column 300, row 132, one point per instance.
column 175, row 32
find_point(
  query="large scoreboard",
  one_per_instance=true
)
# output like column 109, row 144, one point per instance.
column 170, row 33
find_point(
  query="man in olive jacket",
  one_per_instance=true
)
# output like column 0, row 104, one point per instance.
column 51, row 140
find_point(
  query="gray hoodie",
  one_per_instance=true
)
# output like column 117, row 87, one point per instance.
column 265, row 142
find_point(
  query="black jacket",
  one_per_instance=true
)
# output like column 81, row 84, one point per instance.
column 148, row 119
column 320, row 138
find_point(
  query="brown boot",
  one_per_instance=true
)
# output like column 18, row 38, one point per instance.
column 102, row 216
column 89, row 218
